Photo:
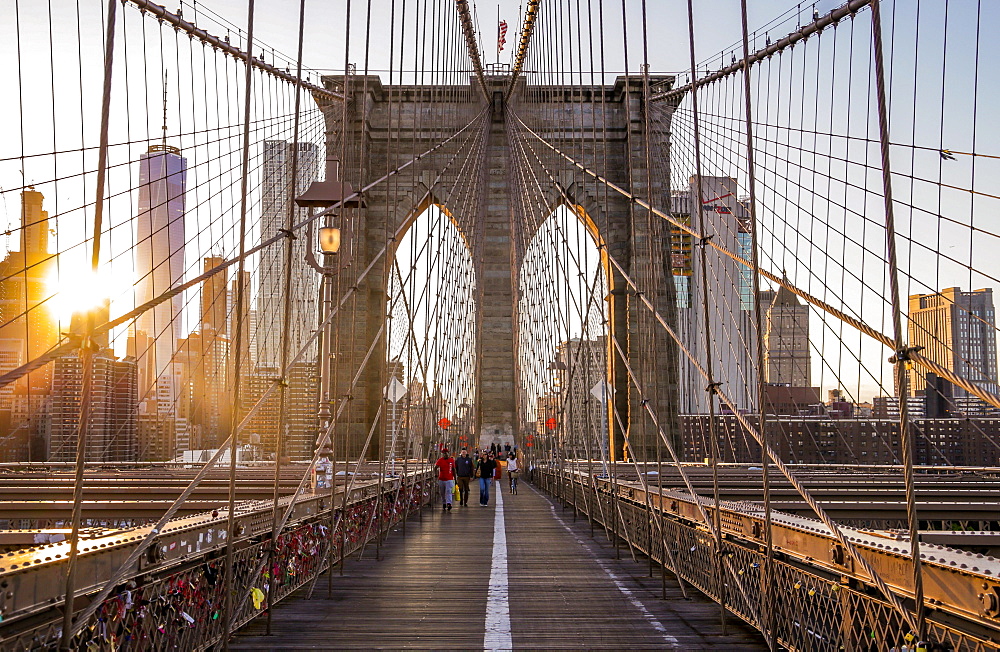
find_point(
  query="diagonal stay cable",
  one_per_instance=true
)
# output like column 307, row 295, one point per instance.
column 807, row 496
column 129, row 563
column 325, row 437
column 887, row 341
column 817, row 26
column 710, row 523
column 69, row 344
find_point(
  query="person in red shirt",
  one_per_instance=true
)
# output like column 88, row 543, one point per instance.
column 446, row 478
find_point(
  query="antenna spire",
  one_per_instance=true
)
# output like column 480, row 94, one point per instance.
column 165, row 73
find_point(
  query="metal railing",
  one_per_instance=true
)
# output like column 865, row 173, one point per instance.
column 175, row 597
column 819, row 601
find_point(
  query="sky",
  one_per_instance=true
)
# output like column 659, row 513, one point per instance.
column 53, row 103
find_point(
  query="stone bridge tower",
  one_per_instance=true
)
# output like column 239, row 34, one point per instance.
column 389, row 125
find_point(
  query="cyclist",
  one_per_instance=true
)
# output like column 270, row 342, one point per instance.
column 513, row 470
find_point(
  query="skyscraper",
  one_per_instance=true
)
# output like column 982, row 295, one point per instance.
column 730, row 329
column 159, row 259
column 214, row 299
column 786, row 341
column 301, row 414
column 112, row 434
column 276, row 193
column 206, row 400
column 958, row 331
column 29, row 328
column 245, row 324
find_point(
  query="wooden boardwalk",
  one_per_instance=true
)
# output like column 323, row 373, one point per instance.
column 564, row 590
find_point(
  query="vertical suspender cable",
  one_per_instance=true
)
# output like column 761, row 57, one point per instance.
column 286, row 319
column 86, row 348
column 902, row 352
column 334, row 353
column 765, row 586
column 228, row 594
column 666, row 555
column 713, row 440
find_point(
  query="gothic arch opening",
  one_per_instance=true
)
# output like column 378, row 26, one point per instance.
column 562, row 345
column 431, row 338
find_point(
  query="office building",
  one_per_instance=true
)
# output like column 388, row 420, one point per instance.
column 206, row 396
column 730, row 332
column 157, row 438
column 957, row 330
column 887, row 407
column 276, row 195
column 301, row 413
column 159, row 262
column 214, row 299
column 242, row 329
column 29, row 327
column 112, row 434
column 786, row 341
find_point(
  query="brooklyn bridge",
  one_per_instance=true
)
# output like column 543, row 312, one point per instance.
column 695, row 297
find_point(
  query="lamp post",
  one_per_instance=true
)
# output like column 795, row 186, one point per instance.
column 324, row 195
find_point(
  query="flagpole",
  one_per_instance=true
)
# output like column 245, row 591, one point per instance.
column 498, row 35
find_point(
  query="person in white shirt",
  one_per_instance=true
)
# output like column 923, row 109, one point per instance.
column 513, row 470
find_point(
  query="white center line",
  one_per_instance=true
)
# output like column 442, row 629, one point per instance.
column 498, row 600
column 615, row 579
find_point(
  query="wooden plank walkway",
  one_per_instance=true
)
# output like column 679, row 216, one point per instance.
column 565, row 590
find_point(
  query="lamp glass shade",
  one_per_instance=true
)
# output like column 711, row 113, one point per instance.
column 329, row 239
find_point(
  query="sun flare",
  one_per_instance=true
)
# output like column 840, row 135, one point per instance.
column 81, row 291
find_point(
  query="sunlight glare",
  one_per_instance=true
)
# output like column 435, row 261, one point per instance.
column 81, row 291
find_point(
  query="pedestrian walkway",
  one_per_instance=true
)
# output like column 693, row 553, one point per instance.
column 519, row 574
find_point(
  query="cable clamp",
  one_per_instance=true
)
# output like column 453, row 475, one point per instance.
column 288, row 234
column 903, row 354
column 281, row 380
column 713, row 388
column 644, row 402
column 703, row 241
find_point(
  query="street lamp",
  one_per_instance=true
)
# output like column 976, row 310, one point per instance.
column 323, row 195
column 329, row 239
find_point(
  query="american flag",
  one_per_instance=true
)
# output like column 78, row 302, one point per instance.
column 501, row 35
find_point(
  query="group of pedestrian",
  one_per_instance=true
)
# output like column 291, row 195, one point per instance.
column 487, row 467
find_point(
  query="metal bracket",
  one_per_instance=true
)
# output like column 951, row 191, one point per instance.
column 903, row 354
